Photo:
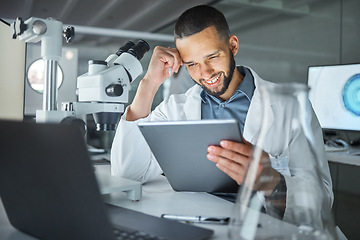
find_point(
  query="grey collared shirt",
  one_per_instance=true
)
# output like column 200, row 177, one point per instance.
column 234, row 108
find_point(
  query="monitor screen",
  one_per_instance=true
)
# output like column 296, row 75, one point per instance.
column 335, row 95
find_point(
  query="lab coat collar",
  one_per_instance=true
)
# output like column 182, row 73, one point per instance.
column 192, row 108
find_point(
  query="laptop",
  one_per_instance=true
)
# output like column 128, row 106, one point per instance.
column 49, row 190
column 180, row 147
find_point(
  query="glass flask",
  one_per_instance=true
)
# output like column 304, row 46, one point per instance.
column 295, row 204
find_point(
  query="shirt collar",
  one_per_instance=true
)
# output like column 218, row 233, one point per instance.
column 246, row 86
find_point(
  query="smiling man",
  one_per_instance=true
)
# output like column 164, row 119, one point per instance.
column 223, row 91
column 210, row 61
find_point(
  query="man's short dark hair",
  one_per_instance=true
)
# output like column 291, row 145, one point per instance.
column 196, row 19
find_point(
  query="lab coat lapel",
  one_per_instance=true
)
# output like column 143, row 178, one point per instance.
column 254, row 116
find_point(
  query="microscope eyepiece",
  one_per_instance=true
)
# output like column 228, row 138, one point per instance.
column 125, row 48
column 139, row 49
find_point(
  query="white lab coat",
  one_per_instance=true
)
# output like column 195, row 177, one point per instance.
column 132, row 158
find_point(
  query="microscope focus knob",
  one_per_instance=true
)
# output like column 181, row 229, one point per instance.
column 114, row 90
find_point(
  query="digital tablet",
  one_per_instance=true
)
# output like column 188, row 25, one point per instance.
column 180, row 147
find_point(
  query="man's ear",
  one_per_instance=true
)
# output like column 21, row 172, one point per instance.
column 234, row 44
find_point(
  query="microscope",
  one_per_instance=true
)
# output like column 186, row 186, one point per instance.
column 102, row 91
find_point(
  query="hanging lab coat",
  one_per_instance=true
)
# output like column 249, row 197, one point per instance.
column 132, row 158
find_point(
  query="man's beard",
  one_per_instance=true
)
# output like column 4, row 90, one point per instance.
column 227, row 79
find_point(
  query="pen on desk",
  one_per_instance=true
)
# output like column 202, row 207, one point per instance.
column 197, row 219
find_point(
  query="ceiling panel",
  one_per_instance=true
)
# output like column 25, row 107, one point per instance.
column 301, row 31
column 156, row 16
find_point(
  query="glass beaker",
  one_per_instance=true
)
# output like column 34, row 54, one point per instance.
column 287, row 190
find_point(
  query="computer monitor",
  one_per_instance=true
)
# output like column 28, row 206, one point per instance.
column 335, row 95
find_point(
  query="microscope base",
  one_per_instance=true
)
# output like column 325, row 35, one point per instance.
column 109, row 184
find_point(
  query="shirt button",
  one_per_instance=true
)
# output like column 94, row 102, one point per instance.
column 223, row 105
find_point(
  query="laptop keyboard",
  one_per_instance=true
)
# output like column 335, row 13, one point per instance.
column 131, row 235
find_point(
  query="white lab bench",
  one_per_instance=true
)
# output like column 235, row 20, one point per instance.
column 345, row 174
column 350, row 156
column 345, row 169
column 159, row 198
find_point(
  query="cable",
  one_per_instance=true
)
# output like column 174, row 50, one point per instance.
column 341, row 31
column 5, row 22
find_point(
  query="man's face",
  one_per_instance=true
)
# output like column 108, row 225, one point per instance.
column 209, row 60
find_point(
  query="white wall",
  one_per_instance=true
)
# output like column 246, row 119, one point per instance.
column 12, row 72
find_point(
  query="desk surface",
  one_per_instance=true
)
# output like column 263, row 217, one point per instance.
column 158, row 198
column 350, row 156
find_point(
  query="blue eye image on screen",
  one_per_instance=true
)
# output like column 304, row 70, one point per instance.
column 335, row 95
column 351, row 94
